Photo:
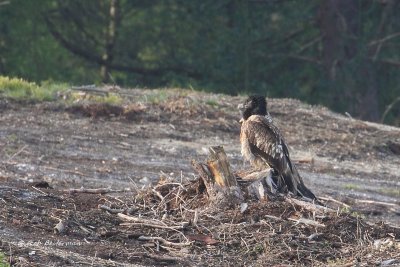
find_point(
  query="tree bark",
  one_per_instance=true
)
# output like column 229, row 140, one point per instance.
column 221, row 185
column 348, row 67
column 111, row 35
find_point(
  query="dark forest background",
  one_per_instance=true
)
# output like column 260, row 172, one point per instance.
column 344, row 54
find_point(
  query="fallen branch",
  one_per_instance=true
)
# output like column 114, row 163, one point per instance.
column 90, row 88
column 307, row 222
column 16, row 153
column 128, row 218
column 111, row 210
column 162, row 240
column 376, row 202
column 158, row 194
column 308, row 206
column 334, row 200
column 93, row 191
column 177, row 227
column 149, row 222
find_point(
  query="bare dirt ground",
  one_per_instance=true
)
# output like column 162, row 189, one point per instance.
column 48, row 148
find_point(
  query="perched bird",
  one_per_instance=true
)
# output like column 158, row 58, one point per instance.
column 263, row 144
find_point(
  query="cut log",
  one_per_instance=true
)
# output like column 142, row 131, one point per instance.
column 219, row 166
column 220, row 183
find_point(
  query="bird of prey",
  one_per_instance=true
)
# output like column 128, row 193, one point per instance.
column 263, row 144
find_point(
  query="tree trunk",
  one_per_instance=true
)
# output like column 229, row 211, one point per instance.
column 111, row 35
column 348, row 68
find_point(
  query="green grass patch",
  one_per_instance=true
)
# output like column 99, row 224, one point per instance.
column 3, row 260
column 21, row 90
column 156, row 96
column 212, row 103
column 351, row 186
column 394, row 192
column 112, row 99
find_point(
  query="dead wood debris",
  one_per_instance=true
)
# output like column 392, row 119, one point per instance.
column 163, row 241
column 284, row 231
column 179, row 219
column 173, row 223
column 92, row 190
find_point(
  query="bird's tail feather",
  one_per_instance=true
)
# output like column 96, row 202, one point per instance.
column 295, row 183
column 305, row 192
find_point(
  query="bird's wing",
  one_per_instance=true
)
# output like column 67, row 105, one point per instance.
column 265, row 141
column 265, row 138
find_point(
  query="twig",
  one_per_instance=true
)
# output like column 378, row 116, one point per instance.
column 92, row 190
column 389, row 62
column 178, row 227
column 388, row 108
column 307, row 222
column 244, row 241
column 376, row 202
column 158, row 194
column 308, row 206
column 110, row 210
column 16, row 153
column 40, row 191
column 334, row 200
column 162, row 240
column 196, row 217
column 311, row 43
column 90, row 88
column 391, row 36
column 149, row 222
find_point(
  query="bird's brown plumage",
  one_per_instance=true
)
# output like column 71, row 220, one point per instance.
column 262, row 144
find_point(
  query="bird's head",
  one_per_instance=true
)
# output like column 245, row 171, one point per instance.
column 253, row 105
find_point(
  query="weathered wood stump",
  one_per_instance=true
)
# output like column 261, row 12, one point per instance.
column 222, row 185
column 225, row 190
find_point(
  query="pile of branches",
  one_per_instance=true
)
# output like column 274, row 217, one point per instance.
column 183, row 223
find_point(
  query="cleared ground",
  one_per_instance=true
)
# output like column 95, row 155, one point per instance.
column 155, row 135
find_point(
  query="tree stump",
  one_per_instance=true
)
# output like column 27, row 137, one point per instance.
column 221, row 185
column 224, row 189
